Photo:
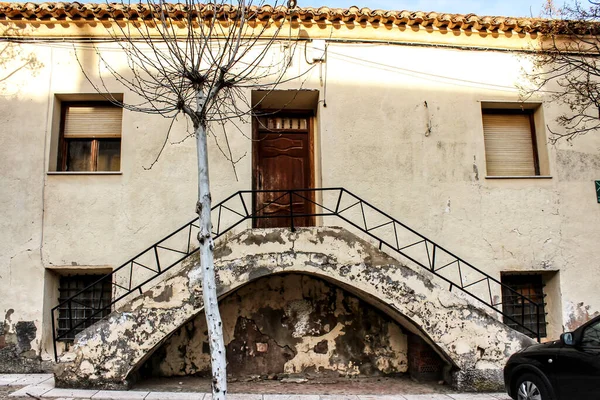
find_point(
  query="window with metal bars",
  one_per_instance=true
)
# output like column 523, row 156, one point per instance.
column 521, row 312
column 87, row 308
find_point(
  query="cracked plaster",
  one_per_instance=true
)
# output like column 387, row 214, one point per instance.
column 116, row 347
column 302, row 324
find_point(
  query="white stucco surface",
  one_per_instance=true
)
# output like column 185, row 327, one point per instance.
column 400, row 125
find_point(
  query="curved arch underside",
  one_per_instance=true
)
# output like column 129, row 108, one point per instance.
column 297, row 324
column 465, row 336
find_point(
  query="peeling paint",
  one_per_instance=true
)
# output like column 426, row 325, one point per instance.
column 475, row 169
column 25, row 333
column 19, row 347
column 578, row 314
column 282, row 325
column 118, row 346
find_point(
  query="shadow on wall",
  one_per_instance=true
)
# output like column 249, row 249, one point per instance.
column 296, row 324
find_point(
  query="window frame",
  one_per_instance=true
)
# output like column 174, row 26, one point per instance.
column 95, row 145
column 64, row 313
column 519, row 284
column 530, row 113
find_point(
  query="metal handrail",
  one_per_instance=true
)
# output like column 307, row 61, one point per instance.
column 235, row 209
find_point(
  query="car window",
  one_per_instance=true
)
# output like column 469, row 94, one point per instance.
column 591, row 336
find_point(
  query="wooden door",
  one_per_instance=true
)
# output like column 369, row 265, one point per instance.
column 283, row 161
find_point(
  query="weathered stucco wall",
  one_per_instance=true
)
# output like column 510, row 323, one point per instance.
column 23, row 116
column 17, row 350
column 474, row 343
column 290, row 324
column 402, row 128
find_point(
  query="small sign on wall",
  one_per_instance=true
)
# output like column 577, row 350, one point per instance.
column 598, row 190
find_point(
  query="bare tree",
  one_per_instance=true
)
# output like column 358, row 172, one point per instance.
column 199, row 61
column 567, row 69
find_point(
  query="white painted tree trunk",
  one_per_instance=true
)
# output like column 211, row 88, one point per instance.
column 209, row 286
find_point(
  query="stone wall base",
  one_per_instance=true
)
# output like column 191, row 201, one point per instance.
column 478, row 380
column 17, row 355
column 11, row 362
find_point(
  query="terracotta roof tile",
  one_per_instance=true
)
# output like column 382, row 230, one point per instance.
column 92, row 11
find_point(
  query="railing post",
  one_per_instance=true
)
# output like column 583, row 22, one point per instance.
column 54, row 339
column 244, row 204
column 70, row 317
column 131, row 275
column 537, row 313
column 522, row 311
column 337, row 207
column 219, row 220
column 292, row 211
column 189, row 238
column 157, row 260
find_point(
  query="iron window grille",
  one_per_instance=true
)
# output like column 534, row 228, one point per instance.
column 518, row 314
column 84, row 311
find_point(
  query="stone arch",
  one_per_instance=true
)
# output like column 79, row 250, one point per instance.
column 475, row 343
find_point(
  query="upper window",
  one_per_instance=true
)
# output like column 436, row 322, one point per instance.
column 520, row 312
column 90, row 138
column 510, row 143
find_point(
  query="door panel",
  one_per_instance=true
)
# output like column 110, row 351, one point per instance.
column 282, row 162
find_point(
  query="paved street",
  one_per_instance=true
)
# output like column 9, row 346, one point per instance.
column 27, row 387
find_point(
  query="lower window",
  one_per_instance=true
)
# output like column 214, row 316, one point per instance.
column 91, row 306
column 519, row 313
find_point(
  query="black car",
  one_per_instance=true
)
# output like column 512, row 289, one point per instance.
column 567, row 369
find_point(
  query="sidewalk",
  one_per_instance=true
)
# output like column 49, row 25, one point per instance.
column 42, row 386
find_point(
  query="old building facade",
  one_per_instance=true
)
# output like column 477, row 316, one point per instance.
column 451, row 190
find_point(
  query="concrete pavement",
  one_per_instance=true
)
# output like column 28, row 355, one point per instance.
column 42, row 386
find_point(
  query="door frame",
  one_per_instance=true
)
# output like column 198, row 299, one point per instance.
column 310, row 114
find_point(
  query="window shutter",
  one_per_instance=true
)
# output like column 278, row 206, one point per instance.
column 98, row 121
column 508, row 145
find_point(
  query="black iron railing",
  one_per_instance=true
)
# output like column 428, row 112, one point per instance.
column 143, row 270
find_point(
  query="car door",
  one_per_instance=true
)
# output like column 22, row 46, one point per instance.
column 579, row 366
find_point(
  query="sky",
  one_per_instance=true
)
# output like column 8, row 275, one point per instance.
column 512, row 8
